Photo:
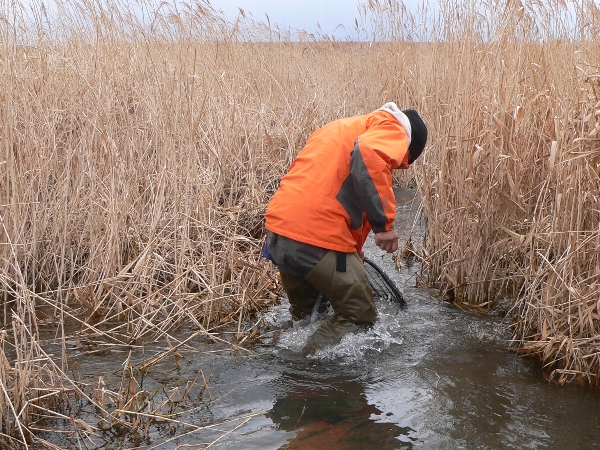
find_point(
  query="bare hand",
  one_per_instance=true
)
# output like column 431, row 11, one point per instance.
column 387, row 240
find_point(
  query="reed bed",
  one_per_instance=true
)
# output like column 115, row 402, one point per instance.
column 142, row 142
column 511, row 189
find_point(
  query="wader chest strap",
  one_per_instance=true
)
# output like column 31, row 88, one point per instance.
column 340, row 265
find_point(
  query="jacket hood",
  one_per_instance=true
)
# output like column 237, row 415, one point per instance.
column 393, row 109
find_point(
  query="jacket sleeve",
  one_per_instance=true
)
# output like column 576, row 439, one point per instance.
column 383, row 147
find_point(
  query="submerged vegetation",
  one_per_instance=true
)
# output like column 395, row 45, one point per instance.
column 139, row 147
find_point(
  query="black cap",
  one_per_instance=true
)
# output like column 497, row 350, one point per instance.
column 418, row 134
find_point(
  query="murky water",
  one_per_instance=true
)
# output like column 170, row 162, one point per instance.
column 428, row 376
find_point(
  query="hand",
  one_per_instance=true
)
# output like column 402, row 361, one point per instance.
column 387, row 240
column 362, row 255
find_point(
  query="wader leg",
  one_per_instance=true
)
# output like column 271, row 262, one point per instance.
column 330, row 332
column 349, row 294
column 301, row 293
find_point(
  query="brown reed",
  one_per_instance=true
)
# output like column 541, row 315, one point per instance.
column 140, row 147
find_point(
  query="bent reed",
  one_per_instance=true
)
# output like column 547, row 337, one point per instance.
column 141, row 143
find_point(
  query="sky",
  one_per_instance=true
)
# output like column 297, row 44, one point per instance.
column 300, row 14
column 334, row 18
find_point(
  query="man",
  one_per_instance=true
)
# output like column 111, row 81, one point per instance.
column 338, row 188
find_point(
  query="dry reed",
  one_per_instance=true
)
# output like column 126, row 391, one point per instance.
column 511, row 188
column 141, row 143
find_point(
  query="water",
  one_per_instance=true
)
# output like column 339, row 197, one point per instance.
column 435, row 380
column 428, row 376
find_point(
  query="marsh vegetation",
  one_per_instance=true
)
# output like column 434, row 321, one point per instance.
column 140, row 144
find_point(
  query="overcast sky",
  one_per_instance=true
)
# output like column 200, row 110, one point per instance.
column 305, row 15
column 300, row 14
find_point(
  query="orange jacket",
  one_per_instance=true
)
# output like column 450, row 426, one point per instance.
column 340, row 184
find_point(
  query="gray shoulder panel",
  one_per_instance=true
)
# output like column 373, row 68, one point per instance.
column 366, row 191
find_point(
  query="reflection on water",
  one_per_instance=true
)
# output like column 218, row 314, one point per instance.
column 334, row 414
column 427, row 376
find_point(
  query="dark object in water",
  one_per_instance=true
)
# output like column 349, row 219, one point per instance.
column 382, row 285
column 315, row 312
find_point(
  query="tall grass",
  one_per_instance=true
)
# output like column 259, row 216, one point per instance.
column 141, row 143
column 511, row 180
column 511, row 186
